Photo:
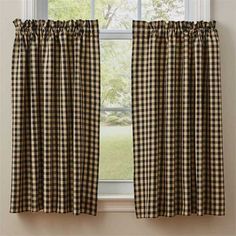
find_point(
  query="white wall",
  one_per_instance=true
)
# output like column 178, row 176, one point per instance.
column 27, row 224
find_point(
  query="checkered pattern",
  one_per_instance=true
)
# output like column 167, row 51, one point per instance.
column 56, row 112
column 177, row 126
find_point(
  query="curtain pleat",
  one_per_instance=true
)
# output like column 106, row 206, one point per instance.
column 56, row 112
column 177, row 126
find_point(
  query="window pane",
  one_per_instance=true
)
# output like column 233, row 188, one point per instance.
column 115, row 71
column 162, row 10
column 116, row 160
column 115, row 14
column 116, row 135
column 68, row 9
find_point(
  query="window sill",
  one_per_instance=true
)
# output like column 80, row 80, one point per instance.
column 115, row 203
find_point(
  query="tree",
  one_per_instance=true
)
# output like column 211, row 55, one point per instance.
column 68, row 9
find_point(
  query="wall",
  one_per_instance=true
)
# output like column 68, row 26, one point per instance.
column 224, row 12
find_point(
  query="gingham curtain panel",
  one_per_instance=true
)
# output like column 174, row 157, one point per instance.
column 56, row 110
column 177, row 124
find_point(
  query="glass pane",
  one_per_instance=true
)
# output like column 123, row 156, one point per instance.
column 116, row 161
column 115, row 14
column 68, row 9
column 162, row 10
column 115, row 71
column 116, row 134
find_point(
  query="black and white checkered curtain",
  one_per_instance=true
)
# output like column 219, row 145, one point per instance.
column 177, row 124
column 56, row 109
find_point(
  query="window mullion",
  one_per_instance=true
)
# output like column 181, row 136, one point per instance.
column 119, row 109
column 139, row 9
column 92, row 9
column 40, row 9
column 196, row 10
column 115, row 35
column 186, row 9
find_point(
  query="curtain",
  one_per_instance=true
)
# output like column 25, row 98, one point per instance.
column 56, row 112
column 177, row 124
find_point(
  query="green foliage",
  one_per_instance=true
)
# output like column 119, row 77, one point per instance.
column 116, row 118
column 162, row 9
column 68, row 9
column 116, row 159
column 115, row 68
column 115, row 13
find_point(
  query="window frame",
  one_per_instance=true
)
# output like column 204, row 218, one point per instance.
column 195, row 10
column 117, row 195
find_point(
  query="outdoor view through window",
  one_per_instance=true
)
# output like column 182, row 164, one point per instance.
column 116, row 161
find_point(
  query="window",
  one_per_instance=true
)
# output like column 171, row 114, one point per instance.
column 115, row 134
column 115, row 21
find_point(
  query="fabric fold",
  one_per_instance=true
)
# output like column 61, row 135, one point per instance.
column 55, row 116
column 177, row 124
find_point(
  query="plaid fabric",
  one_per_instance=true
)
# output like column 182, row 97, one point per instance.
column 56, row 112
column 177, row 126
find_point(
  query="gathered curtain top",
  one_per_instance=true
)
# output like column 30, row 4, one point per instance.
column 51, row 26
column 173, row 26
column 91, row 26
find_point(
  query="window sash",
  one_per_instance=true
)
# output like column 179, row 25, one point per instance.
column 115, row 187
column 122, row 109
column 115, row 34
column 194, row 9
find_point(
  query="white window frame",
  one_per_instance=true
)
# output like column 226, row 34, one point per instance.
column 195, row 10
column 117, row 195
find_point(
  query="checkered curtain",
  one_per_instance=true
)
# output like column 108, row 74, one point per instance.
column 56, row 109
column 177, row 124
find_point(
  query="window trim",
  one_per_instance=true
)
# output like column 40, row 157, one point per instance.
column 118, row 109
column 194, row 10
column 112, row 200
column 115, row 188
column 115, row 34
column 116, row 203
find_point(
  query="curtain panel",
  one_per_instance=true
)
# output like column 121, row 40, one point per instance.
column 56, row 112
column 177, row 124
